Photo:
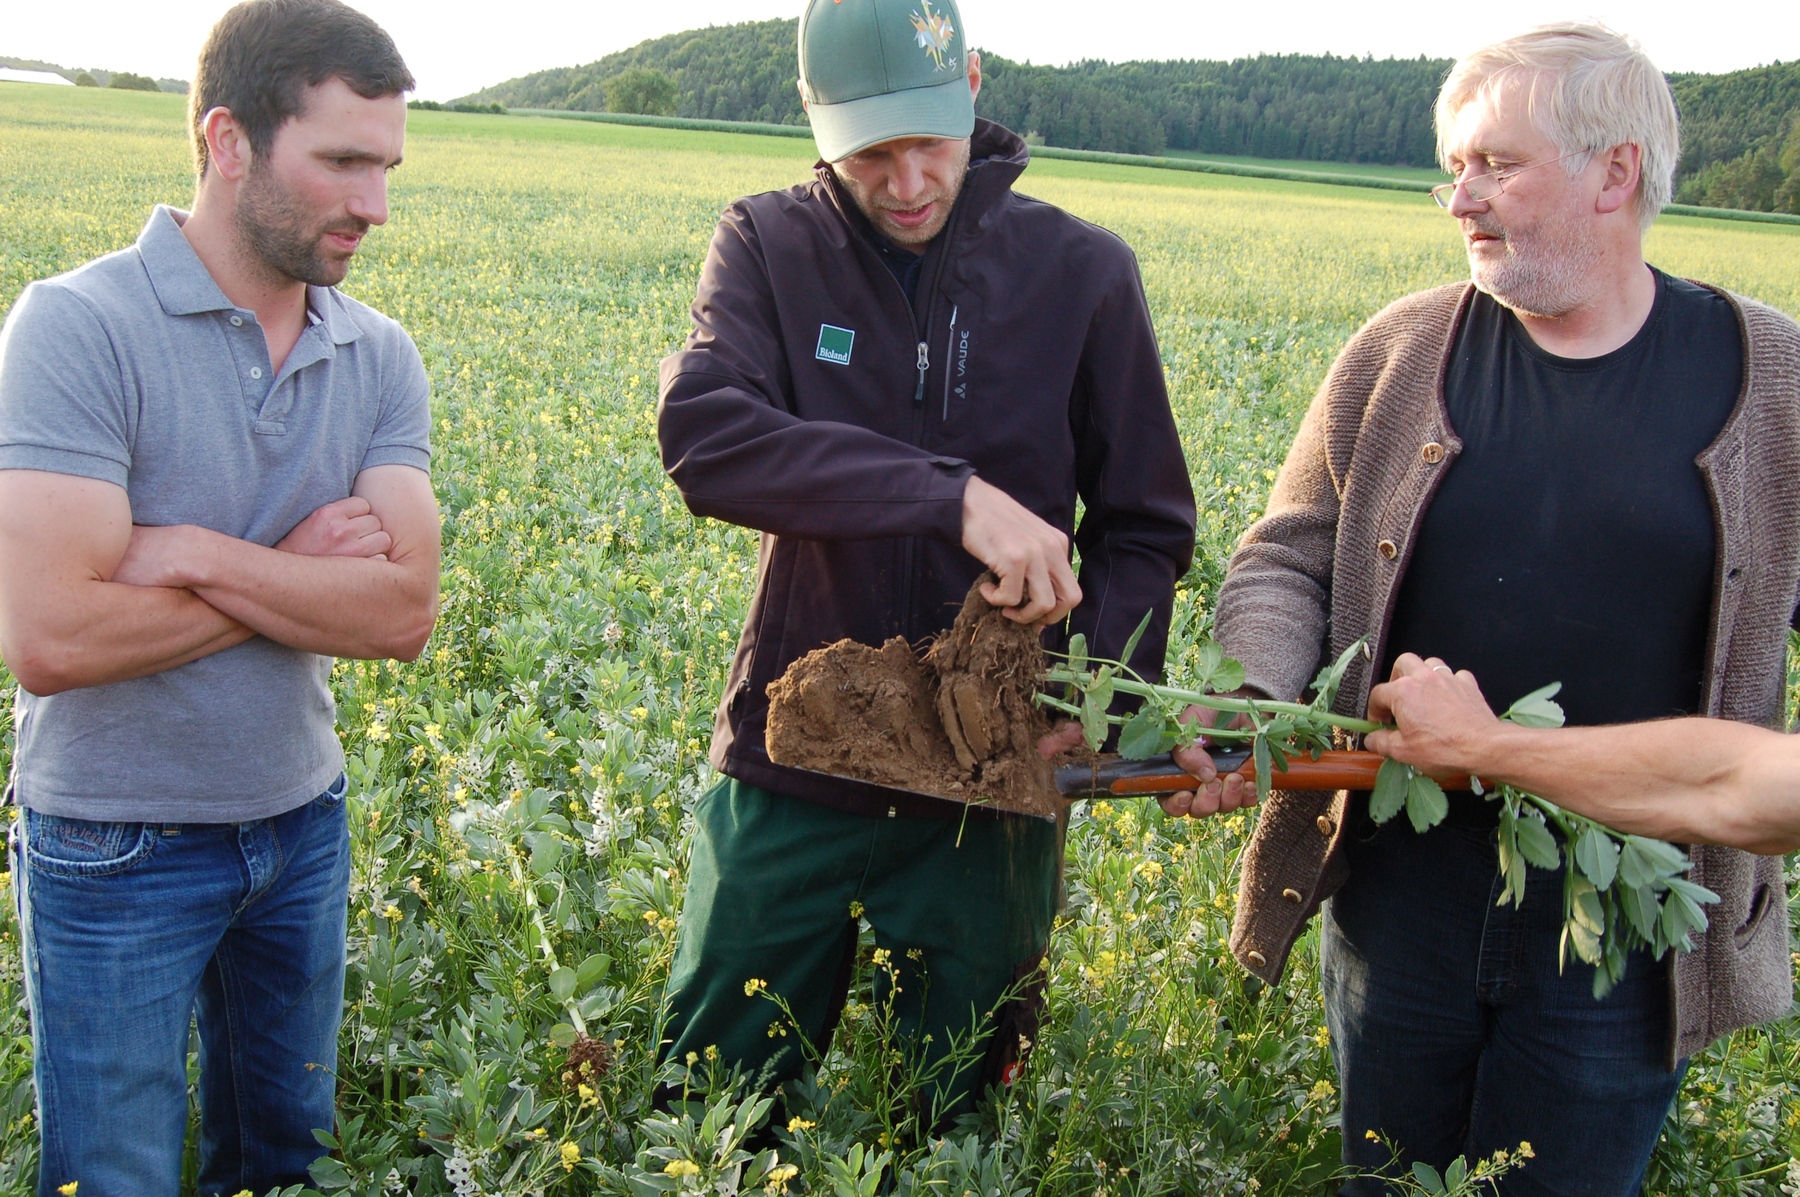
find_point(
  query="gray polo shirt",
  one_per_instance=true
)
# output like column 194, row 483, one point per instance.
column 136, row 370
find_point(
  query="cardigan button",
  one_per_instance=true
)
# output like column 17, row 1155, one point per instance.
column 1257, row 958
column 1388, row 549
column 1432, row 452
column 1292, row 895
column 1325, row 826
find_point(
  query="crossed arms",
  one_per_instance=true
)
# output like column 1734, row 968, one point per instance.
column 87, row 598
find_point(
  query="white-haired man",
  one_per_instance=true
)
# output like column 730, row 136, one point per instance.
column 1576, row 469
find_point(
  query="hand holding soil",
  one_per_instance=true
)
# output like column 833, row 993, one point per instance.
column 962, row 723
column 1032, row 581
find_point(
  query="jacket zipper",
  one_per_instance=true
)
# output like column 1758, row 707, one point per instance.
column 949, row 356
column 924, row 365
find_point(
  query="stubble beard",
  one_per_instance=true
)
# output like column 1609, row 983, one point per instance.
column 917, row 238
column 283, row 238
column 1548, row 271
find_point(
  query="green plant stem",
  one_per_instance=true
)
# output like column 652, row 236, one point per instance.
column 1220, row 702
column 529, row 889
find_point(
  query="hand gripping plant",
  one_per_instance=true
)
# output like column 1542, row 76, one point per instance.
column 1620, row 892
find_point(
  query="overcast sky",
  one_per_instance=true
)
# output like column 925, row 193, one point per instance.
column 458, row 46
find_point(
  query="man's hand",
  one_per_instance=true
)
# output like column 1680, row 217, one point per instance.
column 1216, row 794
column 1030, row 558
column 1064, row 737
column 346, row 528
column 1444, row 723
column 174, row 556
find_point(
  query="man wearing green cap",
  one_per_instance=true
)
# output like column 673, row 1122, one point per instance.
column 903, row 373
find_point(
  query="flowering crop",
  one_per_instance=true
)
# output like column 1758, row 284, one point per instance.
column 521, row 793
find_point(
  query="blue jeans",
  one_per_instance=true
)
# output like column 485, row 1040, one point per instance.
column 133, row 930
column 1455, row 1034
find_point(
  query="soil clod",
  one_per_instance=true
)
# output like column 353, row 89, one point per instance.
column 959, row 724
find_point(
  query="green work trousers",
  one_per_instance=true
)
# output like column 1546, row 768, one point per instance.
column 963, row 908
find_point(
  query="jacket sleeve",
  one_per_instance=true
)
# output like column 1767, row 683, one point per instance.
column 737, row 451
column 1136, row 535
column 1274, row 606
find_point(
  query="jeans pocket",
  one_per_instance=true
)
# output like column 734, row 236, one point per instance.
column 83, row 847
column 334, row 793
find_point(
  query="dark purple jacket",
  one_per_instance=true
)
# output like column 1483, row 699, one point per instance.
column 1030, row 360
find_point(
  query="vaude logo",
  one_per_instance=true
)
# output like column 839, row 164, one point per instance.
column 835, row 343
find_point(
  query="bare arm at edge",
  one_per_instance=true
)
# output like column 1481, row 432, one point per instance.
column 1708, row 781
column 64, row 621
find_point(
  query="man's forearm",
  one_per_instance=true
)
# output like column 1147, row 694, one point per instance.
column 358, row 607
column 1685, row 780
column 118, row 632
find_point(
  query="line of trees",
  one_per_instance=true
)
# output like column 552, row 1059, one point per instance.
column 1737, row 129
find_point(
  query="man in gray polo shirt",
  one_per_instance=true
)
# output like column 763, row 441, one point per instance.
column 212, row 481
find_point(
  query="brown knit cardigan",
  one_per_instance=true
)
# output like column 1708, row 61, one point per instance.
column 1323, row 566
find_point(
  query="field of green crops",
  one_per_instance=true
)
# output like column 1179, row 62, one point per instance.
column 520, row 795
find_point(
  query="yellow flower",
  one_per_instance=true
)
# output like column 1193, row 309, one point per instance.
column 571, row 1155
column 796, row 1125
column 680, row 1168
column 392, row 913
column 754, row 986
column 1525, row 1151
column 68, row 1190
column 1370, row 1135
column 587, row 1095
column 1322, row 1092
column 777, row 1181
column 856, row 910
column 640, row 712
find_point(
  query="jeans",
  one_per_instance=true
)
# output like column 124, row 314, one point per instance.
column 133, row 930
column 1455, row 1034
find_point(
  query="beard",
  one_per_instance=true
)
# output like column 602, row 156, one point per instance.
column 1548, row 270
column 284, row 237
column 877, row 207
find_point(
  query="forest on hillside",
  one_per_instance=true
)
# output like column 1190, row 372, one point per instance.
column 1740, row 131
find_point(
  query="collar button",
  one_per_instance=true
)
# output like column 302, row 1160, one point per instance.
column 237, row 322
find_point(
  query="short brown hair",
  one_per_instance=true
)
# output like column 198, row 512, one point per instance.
column 261, row 57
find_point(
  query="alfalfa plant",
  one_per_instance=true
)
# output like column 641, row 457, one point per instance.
column 1620, row 892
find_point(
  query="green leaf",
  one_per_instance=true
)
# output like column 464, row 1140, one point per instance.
column 1584, row 906
column 562, row 1035
column 1536, row 709
column 1132, row 643
column 1636, row 867
column 1101, row 688
column 1598, row 857
column 1325, row 686
column 1227, row 677
column 1259, row 751
column 1142, row 736
column 1512, row 865
column 1454, row 1174
column 562, row 984
column 1207, row 661
column 1699, row 895
column 593, row 970
column 1639, row 904
column 1078, row 652
column 1428, row 1177
column 1093, row 722
column 1426, row 805
column 1392, row 782
column 1536, row 844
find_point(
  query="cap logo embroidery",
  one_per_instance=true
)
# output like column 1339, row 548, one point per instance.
column 934, row 32
column 835, row 344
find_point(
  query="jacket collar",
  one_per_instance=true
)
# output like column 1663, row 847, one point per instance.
column 997, row 157
column 184, row 287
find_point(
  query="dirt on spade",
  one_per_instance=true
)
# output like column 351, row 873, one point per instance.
column 960, row 723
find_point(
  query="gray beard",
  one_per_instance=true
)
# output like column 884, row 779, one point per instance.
column 275, row 232
column 1549, row 272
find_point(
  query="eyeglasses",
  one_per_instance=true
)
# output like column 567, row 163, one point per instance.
column 1482, row 188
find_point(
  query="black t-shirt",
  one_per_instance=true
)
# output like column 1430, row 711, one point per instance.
column 1573, row 539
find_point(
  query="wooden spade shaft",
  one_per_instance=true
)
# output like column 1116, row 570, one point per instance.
column 1113, row 777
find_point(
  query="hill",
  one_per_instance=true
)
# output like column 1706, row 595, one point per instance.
column 1739, row 144
column 100, row 78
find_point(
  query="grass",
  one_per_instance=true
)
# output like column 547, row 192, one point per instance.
column 536, row 766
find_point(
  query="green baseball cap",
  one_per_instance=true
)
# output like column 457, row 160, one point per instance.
column 874, row 70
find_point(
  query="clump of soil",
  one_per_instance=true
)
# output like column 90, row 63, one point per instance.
column 959, row 724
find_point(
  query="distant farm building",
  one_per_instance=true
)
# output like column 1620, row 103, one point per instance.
column 8, row 75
